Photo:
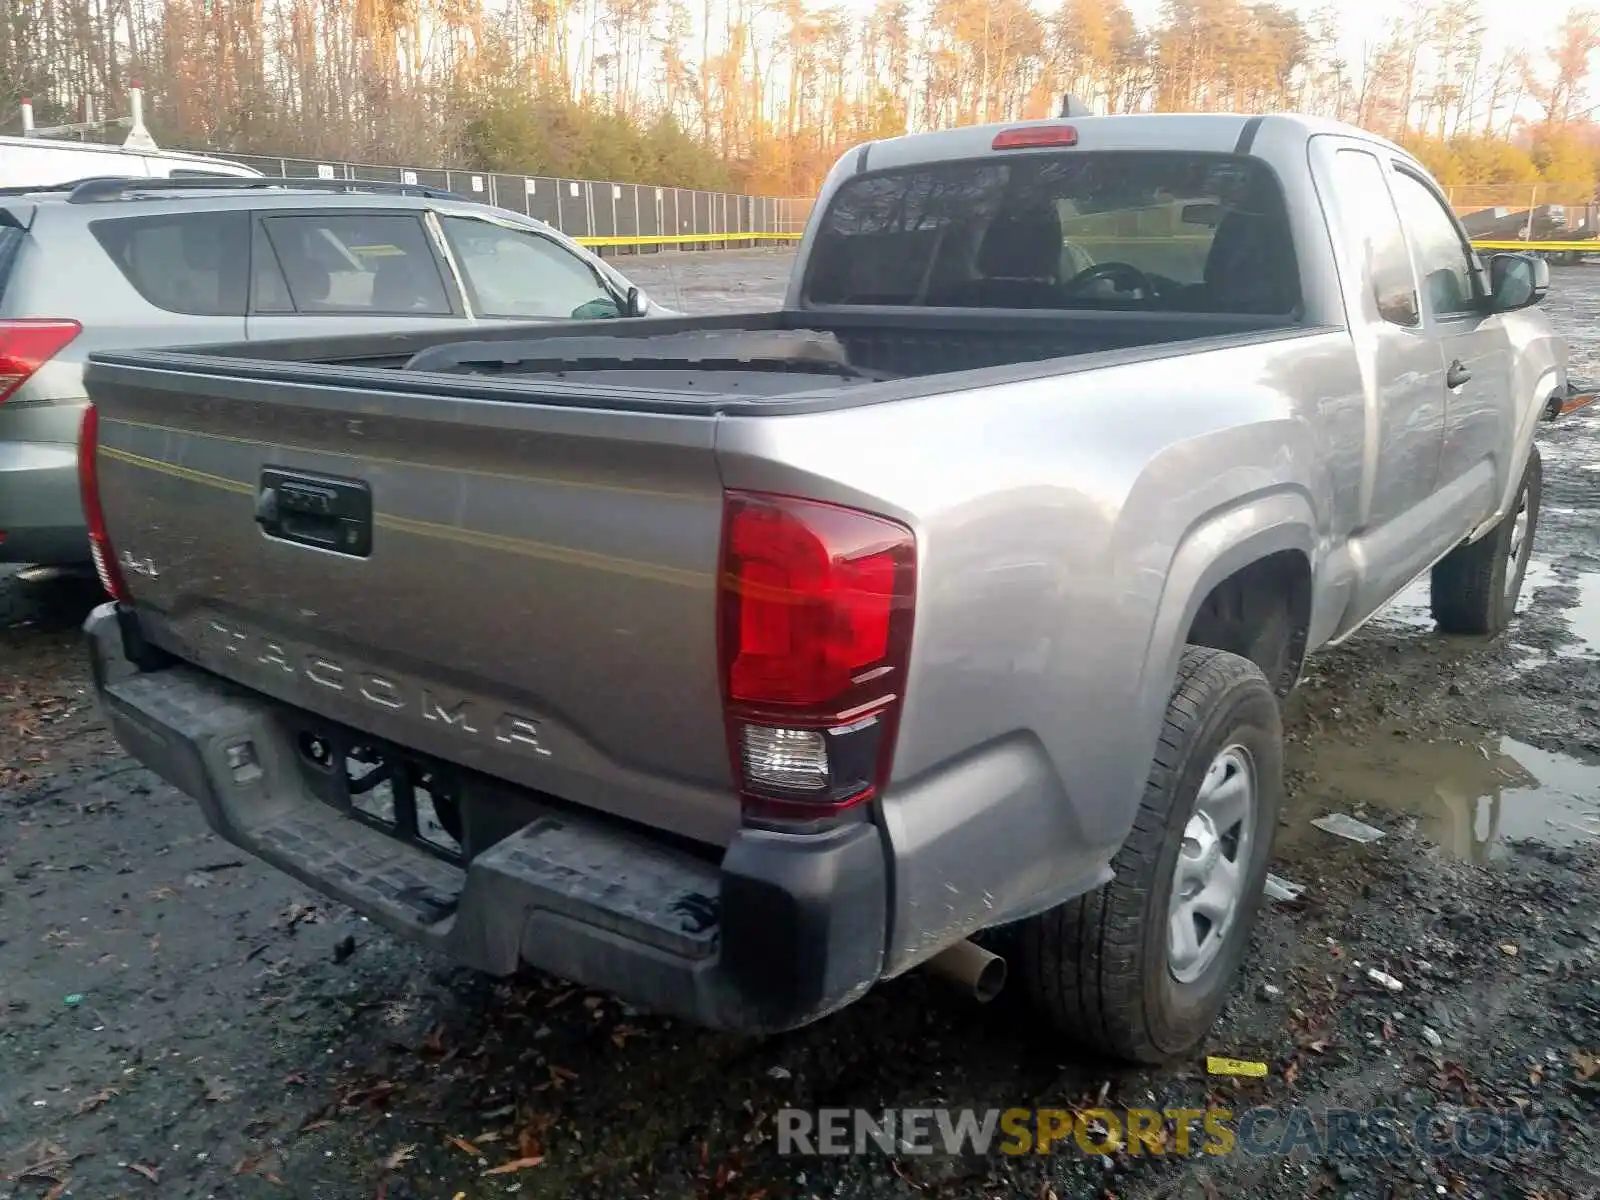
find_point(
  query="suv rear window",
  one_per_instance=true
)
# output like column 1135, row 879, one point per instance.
column 1151, row 230
column 196, row 263
column 10, row 242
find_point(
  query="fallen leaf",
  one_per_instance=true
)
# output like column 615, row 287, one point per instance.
column 103, row 1096
column 374, row 1095
column 894, row 1165
column 320, row 1123
column 621, row 1034
column 528, row 1143
column 399, row 1158
column 59, row 1190
column 463, row 1145
column 560, row 1076
column 147, row 1171
column 1508, row 949
column 218, row 1090
column 1585, row 1066
column 516, row 1164
column 293, row 1079
column 434, row 1042
column 162, row 893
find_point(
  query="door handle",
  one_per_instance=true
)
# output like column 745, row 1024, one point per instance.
column 1457, row 374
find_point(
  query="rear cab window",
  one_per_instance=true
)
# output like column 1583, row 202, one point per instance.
column 348, row 263
column 1374, row 224
column 194, row 263
column 1171, row 231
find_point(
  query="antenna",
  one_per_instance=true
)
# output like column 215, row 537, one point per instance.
column 1071, row 106
column 138, row 136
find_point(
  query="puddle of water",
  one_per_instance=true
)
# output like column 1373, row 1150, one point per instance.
column 1469, row 795
column 1410, row 609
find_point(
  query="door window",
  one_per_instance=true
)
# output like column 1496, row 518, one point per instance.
column 354, row 263
column 516, row 273
column 1442, row 262
column 1360, row 184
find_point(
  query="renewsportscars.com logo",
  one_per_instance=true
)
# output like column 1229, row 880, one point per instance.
column 1261, row 1131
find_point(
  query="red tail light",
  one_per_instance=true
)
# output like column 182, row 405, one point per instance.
column 26, row 345
column 815, row 605
column 105, row 558
column 1027, row 137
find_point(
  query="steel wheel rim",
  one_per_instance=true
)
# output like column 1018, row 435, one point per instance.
column 1208, row 881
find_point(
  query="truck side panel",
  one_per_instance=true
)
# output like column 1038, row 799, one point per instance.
column 1039, row 663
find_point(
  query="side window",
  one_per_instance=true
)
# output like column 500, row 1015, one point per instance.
column 512, row 273
column 1359, row 177
column 357, row 263
column 192, row 263
column 1442, row 261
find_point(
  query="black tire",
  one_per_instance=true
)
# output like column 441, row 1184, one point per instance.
column 1098, row 967
column 1475, row 588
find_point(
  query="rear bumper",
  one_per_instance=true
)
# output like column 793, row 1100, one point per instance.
column 41, row 514
column 782, row 930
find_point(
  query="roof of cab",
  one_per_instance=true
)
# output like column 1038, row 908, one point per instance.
column 1218, row 133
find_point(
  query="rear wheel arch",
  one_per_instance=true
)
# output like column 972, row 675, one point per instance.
column 1267, row 541
column 1261, row 612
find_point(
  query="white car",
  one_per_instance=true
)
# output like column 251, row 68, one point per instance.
column 41, row 162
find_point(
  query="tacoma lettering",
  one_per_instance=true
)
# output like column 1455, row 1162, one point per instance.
column 462, row 715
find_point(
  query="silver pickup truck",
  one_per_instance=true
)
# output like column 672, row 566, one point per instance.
column 735, row 664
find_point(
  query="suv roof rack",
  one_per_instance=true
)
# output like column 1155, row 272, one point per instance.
column 90, row 191
column 27, row 189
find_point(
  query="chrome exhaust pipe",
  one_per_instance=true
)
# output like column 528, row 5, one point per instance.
column 972, row 969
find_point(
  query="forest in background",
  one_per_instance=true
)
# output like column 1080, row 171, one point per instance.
column 762, row 95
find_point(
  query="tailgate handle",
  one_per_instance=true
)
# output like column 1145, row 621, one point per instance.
column 320, row 512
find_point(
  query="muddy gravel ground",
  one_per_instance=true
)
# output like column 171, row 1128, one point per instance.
column 177, row 1020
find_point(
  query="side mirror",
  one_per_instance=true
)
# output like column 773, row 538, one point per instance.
column 638, row 303
column 1517, row 281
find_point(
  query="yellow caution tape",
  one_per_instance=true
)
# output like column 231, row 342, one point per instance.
column 686, row 239
column 1235, row 1066
column 1588, row 247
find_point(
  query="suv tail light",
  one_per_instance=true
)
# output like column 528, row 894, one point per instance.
column 105, row 558
column 815, row 604
column 27, row 344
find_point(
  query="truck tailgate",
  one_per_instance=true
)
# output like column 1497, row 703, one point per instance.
column 521, row 588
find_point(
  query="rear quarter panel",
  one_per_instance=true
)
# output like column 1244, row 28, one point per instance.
column 1068, row 528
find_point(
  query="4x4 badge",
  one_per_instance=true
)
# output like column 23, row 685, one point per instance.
column 140, row 566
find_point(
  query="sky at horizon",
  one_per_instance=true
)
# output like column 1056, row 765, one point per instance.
column 1507, row 23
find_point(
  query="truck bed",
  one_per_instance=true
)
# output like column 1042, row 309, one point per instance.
column 801, row 359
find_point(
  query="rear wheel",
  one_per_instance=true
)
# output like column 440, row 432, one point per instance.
column 1475, row 588
column 1140, row 968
